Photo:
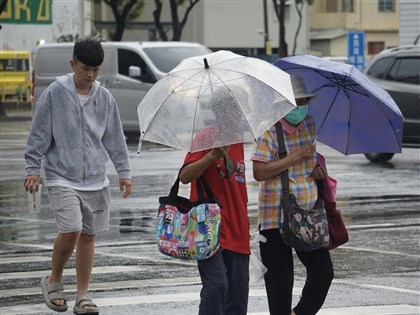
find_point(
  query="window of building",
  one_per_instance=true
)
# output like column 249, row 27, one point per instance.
column 331, row 6
column 346, row 5
column 386, row 5
column 375, row 47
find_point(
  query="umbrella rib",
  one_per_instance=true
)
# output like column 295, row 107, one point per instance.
column 236, row 100
column 195, row 110
column 345, row 83
column 169, row 94
column 338, row 80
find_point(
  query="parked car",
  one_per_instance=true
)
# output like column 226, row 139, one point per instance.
column 397, row 70
column 129, row 70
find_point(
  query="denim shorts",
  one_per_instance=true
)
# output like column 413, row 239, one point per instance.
column 76, row 210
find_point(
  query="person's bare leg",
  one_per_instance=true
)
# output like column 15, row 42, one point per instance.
column 63, row 248
column 293, row 313
column 85, row 251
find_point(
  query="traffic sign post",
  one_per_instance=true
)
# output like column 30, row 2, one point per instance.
column 356, row 49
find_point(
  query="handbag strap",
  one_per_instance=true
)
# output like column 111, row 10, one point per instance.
column 201, row 184
column 285, row 174
column 282, row 153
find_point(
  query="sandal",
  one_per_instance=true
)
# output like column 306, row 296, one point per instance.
column 51, row 293
column 85, row 306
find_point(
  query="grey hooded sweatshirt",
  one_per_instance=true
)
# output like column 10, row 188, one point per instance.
column 73, row 141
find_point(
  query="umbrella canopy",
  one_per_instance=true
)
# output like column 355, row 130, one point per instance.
column 352, row 114
column 214, row 100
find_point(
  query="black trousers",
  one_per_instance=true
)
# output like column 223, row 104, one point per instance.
column 278, row 259
column 225, row 279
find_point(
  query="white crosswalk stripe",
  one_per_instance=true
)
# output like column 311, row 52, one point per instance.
column 194, row 296
column 126, row 297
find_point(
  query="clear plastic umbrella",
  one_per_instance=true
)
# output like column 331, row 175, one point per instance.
column 214, row 100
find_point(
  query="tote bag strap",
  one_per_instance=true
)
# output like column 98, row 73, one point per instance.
column 175, row 187
column 201, row 184
column 203, row 187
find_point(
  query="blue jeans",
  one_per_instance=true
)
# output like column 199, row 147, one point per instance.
column 225, row 280
column 278, row 259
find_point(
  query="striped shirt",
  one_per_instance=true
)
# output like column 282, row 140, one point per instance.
column 301, row 183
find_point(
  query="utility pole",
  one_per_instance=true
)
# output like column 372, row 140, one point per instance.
column 267, row 43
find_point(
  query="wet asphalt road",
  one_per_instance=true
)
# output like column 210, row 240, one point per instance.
column 377, row 272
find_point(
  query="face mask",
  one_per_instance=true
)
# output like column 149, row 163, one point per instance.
column 297, row 114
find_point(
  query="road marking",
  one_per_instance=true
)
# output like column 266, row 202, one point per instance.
column 23, row 259
column 374, row 286
column 363, row 310
column 377, row 251
column 69, row 272
column 105, row 286
column 182, row 297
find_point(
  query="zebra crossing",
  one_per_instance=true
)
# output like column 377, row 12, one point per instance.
column 129, row 292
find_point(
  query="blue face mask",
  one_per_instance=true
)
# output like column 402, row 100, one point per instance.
column 296, row 115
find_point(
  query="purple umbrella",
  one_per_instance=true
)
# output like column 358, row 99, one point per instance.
column 352, row 114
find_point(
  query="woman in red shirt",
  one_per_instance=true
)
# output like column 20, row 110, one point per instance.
column 225, row 275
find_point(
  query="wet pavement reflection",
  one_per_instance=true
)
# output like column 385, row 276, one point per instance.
column 379, row 265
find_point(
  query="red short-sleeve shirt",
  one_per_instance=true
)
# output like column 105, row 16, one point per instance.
column 232, row 195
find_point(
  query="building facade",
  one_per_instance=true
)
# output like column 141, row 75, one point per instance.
column 237, row 25
column 26, row 24
column 409, row 22
column 331, row 20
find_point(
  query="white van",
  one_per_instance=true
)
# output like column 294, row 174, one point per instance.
column 129, row 70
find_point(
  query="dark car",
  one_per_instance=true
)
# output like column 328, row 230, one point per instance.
column 397, row 71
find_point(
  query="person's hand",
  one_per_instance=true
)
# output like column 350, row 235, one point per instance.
column 32, row 183
column 219, row 152
column 319, row 172
column 304, row 153
column 125, row 187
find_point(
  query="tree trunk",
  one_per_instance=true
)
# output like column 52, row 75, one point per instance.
column 176, row 27
column 299, row 7
column 282, row 31
column 119, row 31
column 156, row 17
column 279, row 10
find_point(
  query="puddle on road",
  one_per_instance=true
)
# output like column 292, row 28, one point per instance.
column 13, row 194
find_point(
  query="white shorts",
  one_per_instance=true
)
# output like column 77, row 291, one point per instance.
column 76, row 210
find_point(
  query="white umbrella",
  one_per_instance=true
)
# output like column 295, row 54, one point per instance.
column 214, row 100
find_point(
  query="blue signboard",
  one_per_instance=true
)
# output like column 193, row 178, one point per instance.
column 356, row 53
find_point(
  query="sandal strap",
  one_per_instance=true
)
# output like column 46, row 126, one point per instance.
column 55, row 287
column 85, row 301
column 56, row 296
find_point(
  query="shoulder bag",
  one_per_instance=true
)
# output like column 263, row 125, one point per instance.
column 189, row 230
column 336, row 227
column 302, row 229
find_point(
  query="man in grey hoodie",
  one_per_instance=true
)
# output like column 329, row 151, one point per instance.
column 75, row 129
